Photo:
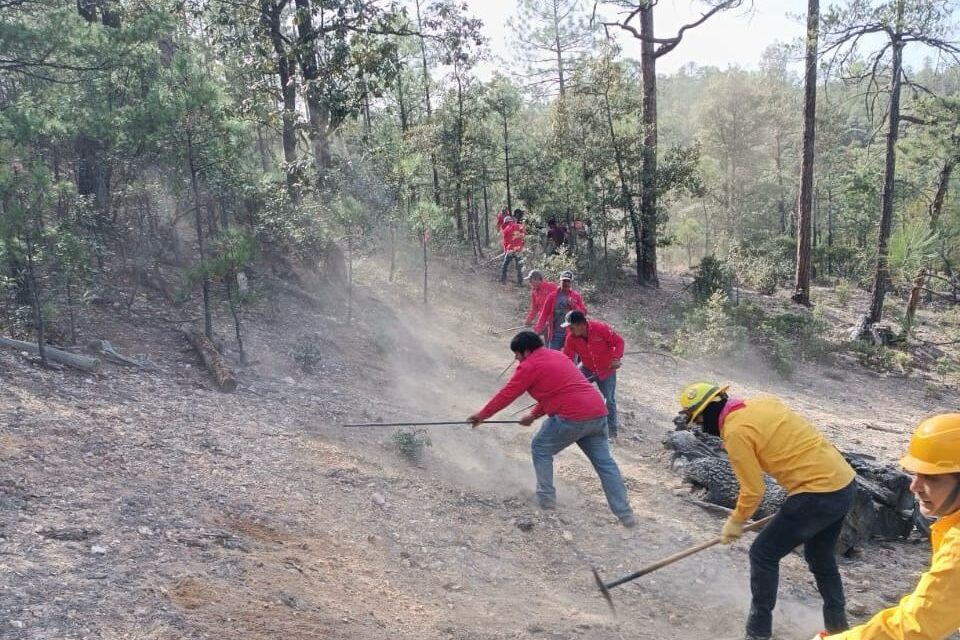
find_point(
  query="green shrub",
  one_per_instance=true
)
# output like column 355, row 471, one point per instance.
column 410, row 443
column 844, row 292
column 757, row 270
column 709, row 329
column 711, row 276
column 553, row 266
column 306, row 353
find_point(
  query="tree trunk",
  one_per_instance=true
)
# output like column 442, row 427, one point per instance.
column 626, row 198
column 830, row 231
column 35, row 300
column 559, row 51
column 74, row 360
column 943, row 184
column 234, row 301
column 458, row 165
column 271, row 11
column 201, row 250
column 423, row 239
column 506, row 160
column 647, row 243
column 429, row 106
column 318, row 115
column 216, row 365
column 882, row 274
column 914, row 302
column 801, row 294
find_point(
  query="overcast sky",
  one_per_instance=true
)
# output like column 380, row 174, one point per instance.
column 738, row 37
column 732, row 38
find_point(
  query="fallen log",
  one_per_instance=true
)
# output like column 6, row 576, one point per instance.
column 216, row 365
column 84, row 363
column 105, row 349
column 883, row 508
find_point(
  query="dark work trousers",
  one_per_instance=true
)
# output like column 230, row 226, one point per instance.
column 813, row 520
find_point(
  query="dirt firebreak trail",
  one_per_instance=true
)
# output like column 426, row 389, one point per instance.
column 146, row 504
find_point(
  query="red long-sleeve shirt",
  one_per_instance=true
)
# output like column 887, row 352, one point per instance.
column 511, row 236
column 596, row 349
column 574, row 301
column 555, row 383
column 538, row 296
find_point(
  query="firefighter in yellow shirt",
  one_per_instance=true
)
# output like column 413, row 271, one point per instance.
column 763, row 435
column 932, row 611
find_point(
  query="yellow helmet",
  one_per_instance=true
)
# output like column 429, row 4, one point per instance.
column 695, row 397
column 934, row 447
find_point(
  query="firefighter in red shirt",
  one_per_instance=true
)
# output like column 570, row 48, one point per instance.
column 504, row 212
column 512, row 240
column 576, row 414
column 540, row 289
column 555, row 308
column 600, row 349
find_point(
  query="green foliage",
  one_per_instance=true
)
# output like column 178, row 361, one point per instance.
column 307, row 353
column 844, row 292
column 711, row 277
column 717, row 328
column 411, row 443
column 709, row 329
column 764, row 268
column 912, row 246
column 553, row 266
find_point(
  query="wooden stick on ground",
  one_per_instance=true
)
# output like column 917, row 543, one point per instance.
column 84, row 363
column 216, row 365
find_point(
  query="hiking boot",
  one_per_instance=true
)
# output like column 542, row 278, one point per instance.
column 547, row 505
column 629, row 521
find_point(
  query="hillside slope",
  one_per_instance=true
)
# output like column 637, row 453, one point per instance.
column 148, row 505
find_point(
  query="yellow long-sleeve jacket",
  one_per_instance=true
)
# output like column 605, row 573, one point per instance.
column 932, row 611
column 764, row 435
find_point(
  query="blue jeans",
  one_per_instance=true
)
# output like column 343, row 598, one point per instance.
column 815, row 521
column 555, row 435
column 507, row 257
column 608, row 389
column 556, row 340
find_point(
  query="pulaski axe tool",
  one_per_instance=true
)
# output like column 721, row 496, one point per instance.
column 680, row 555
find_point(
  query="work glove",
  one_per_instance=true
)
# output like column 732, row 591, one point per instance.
column 527, row 420
column 474, row 420
column 732, row 529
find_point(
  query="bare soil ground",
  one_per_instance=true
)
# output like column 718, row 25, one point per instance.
column 148, row 505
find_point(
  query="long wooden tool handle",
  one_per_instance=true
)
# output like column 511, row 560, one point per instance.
column 680, row 555
column 424, row 424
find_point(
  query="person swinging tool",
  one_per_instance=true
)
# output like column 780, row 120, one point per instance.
column 576, row 414
column 763, row 435
column 555, row 308
column 512, row 240
column 540, row 289
column 932, row 611
column 600, row 349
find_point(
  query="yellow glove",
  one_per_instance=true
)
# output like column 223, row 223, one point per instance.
column 731, row 531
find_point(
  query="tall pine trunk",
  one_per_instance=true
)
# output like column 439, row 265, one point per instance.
column 882, row 274
column 801, row 294
column 647, row 243
column 429, row 106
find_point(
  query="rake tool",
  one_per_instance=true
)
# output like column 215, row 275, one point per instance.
column 680, row 555
column 425, row 424
column 499, row 331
